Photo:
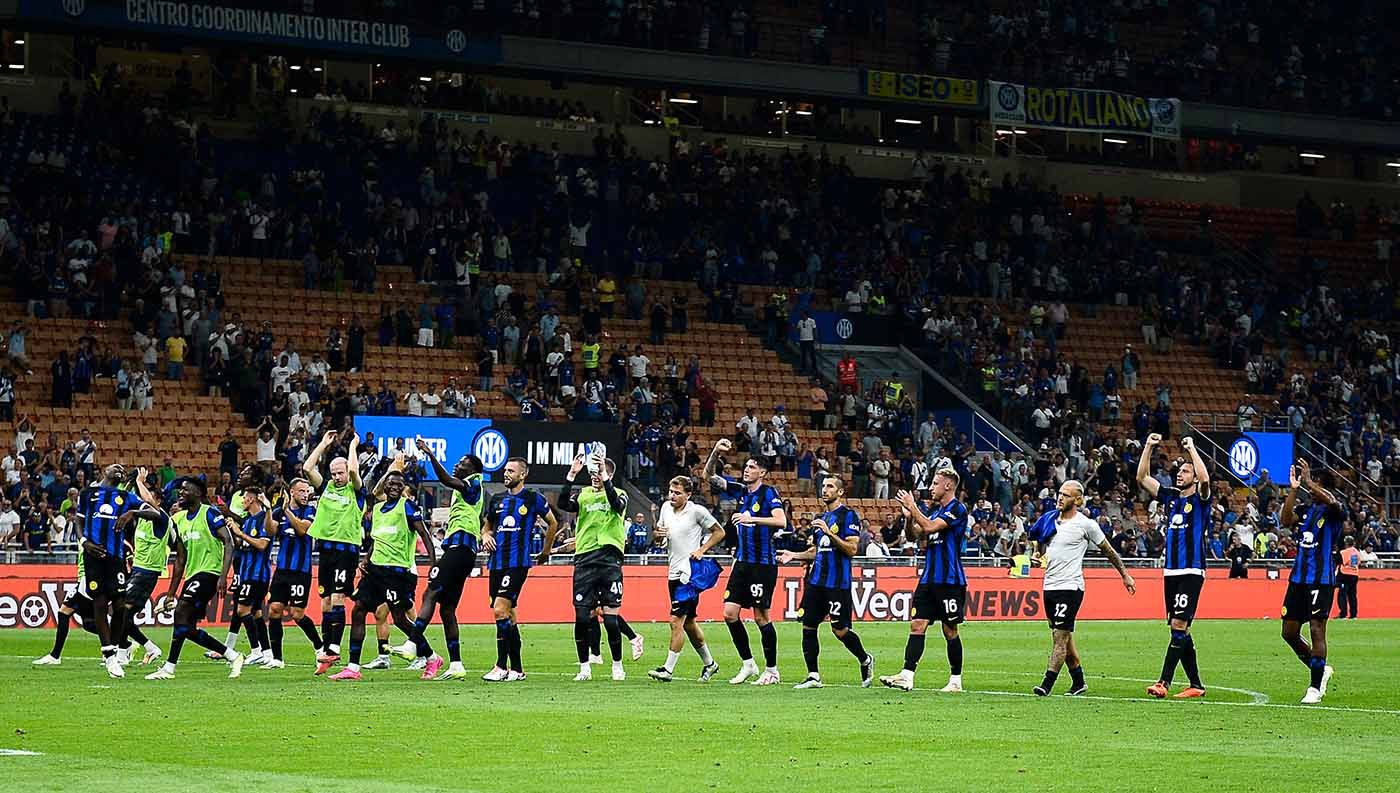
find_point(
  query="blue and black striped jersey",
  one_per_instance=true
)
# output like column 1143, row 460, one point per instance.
column 755, row 543
column 1317, row 539
column 294, row 550
column 255, row 564
column 513, row 517
column 943, row 557
column 99, row 506
column 1186, row 524
column 832, row 568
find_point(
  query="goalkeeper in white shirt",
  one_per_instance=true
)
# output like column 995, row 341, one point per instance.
column 1061, row 537
column 685, row 525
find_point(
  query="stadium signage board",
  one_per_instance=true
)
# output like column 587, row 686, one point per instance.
column 1083, row 110
column 928, row 89
column 862, row 330
column 264, row 27
column 548, row 447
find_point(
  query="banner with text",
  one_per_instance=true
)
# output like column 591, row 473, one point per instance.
column 547, row 447
column 1083, row 110
column 30, row 596
column 364, row 37
column 925, row 88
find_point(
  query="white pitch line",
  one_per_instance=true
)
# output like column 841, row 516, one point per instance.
column 19, row 753
column 994, row 693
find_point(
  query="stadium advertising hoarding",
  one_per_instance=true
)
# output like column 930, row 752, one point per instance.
column 1083, row 110
column 270, row 28
column 548, row 447
column 862, row 330
column 929, row 89
column 31, row 594
column 1248, row 454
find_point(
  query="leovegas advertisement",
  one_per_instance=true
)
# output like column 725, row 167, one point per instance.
column 30, row 595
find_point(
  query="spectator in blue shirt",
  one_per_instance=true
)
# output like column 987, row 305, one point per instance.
column 638, row 534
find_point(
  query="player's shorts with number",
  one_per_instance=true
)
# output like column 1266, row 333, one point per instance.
column 506, row 583
column 1182, row 594
column 392, row 585
column 335, row 572
column 1303, row 602
column 199, row 590
column 140, row 585
column 291, row 587
column 106, row 575
column 1062, row 606
column 251, row 593
column 819, row 603
column 939, row 603
column 598, row 579
column 751, row 585
column 450, row 574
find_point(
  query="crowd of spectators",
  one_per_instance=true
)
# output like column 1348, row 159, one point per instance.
column 945, row 252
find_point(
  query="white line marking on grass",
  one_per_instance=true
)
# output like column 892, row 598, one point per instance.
column 18, row 753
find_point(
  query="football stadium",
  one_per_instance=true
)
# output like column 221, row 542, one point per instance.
column 662, row 395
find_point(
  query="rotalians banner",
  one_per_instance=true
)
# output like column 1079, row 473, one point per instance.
column 1083, row 110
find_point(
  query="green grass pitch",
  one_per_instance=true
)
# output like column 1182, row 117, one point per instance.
column 288, row 731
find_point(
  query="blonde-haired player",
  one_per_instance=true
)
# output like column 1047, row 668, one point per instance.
column 1063, row 536
column 685, row 525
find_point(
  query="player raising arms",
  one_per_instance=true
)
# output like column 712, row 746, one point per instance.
column 835, row 538
column 1313, row 580
column 391, row 573
column 509, row 520
column 685, row 524
column 449, row 576
column 755, row 574
column 150, row 543
column 337, row 527
column 291, row 584
column 942, row 591
column 1063, row 535
column 104, row 508
column 203, row 555
column 599, row 538
column 1186, row 512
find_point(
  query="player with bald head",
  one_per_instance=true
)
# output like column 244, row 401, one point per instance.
column 339, row 533
column 1061, row 537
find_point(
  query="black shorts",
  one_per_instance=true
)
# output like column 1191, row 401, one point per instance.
column 80, row 603
column 140, row 585
column 386, row 585
column 1062, row 606
column 1302, row 602
column 681, row 608
column 199, row 591
column 449, row 576
column 939, row 603
column 335, row 572
column 506, row 583
column 1182, row 594
column 251, row 593
column 598, row 579
column 104, row 575
column 819, row 603
column 291, row 588
column 751, row 585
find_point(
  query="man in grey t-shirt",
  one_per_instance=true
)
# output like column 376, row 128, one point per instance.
column 1061, row 553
